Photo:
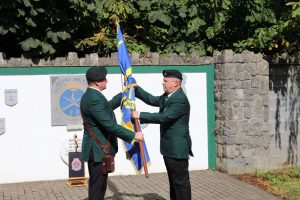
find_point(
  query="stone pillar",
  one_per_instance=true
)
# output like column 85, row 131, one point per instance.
column 241, row 102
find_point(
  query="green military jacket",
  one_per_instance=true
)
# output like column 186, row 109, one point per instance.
column 173, row 117
column 98, row 114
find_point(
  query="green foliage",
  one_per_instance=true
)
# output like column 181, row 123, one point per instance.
column 37, row 28
column 112, row 8
column 282, row 33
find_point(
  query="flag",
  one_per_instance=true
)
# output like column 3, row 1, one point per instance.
column 128, row 105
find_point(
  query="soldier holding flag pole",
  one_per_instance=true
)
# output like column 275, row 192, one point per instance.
column 100, row 127
column 137, row 151
column 175, row 140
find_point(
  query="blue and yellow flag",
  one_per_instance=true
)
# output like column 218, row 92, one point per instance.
column 128, row 105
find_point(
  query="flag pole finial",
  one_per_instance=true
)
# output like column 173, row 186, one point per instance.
column 117, row 20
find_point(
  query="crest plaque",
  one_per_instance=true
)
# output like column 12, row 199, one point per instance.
column 11, row 97
column 66, row 92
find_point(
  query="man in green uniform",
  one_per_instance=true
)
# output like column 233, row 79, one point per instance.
column 98, row 114
column 175, row 141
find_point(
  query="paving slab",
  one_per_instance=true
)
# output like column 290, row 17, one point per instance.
column 206, row 185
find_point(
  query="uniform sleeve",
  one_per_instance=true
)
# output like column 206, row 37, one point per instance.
column 115, row 101
column 147, row 97
column 104, row 117
column 174, row 111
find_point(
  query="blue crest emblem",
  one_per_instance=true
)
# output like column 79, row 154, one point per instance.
column 69, row 102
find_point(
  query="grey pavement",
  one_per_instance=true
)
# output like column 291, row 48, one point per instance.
column 206, row 185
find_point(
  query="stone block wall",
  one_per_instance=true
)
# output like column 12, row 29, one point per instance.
column 242, row 112
column 72, row 59
column 257, row 104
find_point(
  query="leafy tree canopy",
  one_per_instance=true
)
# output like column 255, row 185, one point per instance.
column 36, row 28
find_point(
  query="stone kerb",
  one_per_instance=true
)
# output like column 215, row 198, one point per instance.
column 241, row 100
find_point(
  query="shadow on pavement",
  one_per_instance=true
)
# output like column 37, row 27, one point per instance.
column 147, row 196
column 116, row 194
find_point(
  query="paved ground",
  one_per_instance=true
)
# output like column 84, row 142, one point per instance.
column 206, row 185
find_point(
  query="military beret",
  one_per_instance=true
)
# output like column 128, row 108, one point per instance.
column 96, row 73
column 172, row 73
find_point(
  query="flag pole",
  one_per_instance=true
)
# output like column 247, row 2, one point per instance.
column 136, row 122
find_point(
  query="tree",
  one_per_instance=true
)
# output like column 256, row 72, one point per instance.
column 37, row 28
column 280, row 34
column 53, row 28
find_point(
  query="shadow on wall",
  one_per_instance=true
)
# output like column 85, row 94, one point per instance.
column 285, row 82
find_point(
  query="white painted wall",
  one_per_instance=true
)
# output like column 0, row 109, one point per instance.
column 30, row 148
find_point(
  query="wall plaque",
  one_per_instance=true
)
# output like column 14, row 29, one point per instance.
column 11, row 97
column 76, row 165
column 2, row 126
column 66, row 93
column 68, row 146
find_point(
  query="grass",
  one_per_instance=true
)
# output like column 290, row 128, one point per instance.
column 283, row 182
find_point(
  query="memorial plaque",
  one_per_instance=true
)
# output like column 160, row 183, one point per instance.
column 2, row 126
column 76, row 165
column 66, row 93
column 68, row 146
column 11, row 97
